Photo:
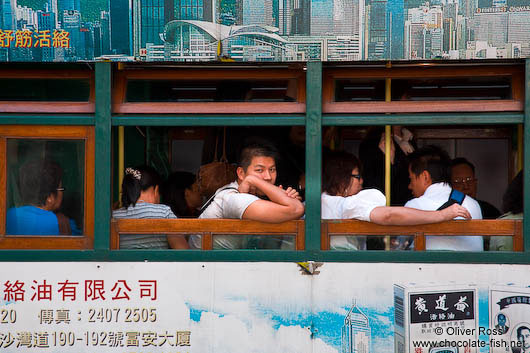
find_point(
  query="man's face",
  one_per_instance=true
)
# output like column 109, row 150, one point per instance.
column 418, row 183
column 262, row 167
column 463, row 179
column 524, row 338
column 356, row 183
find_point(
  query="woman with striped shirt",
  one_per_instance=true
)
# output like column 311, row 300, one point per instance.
column 141, row 200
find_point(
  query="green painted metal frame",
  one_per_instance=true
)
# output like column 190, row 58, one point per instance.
column 424, row 119
column 86, row 120
column 314, row 120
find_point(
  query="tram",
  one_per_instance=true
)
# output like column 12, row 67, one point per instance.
column 288, row 290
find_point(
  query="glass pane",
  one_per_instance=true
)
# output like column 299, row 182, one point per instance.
column 357, row 90
column 249, row 241
column 373, row 242
column 42, row 90
column 45, row 187
column 211, row 91
column 460, row 88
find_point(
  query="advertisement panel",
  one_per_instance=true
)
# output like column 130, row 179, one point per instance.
column 263, row 307
column 263, row 30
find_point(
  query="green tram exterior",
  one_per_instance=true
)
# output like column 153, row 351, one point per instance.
column 102, row 115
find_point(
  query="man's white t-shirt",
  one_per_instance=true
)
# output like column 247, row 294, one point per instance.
column 227, row 203
column 434, row 197
column 358, row 206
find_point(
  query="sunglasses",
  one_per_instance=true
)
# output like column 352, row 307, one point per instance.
column 356, row 176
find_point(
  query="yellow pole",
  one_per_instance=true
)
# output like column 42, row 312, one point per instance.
column 520, row 152
column 121, row 156
column 388, row 98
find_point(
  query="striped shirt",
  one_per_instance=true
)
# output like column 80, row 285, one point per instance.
column 143, row 210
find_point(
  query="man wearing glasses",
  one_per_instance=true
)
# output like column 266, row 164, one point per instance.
column 464, row 180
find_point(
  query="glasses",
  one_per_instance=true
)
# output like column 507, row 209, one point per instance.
column 466, row 181
column 357, row 176
column 60, row 189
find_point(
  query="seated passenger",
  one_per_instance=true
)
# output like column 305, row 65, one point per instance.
column 245, row 197
column 40, row 185
column 140, row 200
column 430, row 182
column 181, row 192
column 512, row 205
column 464, row 180
column 343, row 198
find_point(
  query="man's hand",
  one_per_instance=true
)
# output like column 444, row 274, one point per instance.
column 292, row 193
column 247, row 185
column 454, row 211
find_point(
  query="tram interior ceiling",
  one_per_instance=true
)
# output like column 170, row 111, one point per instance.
column 189, row 126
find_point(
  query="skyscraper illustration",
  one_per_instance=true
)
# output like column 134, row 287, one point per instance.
column 377, row 30
column 356, row 332
column 257, row 12
column 120, row 27
column 321, row 17
column 152, row 21
column 396, row 27
column 201, row 10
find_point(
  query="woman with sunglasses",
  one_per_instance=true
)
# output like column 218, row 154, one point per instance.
column 343, row 197
column 41, row 190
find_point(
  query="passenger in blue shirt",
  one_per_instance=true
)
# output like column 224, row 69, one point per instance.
column 40, row 184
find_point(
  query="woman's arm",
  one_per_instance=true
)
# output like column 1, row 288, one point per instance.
column 403, row 216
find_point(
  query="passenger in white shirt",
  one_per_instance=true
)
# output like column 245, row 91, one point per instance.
column 343, row 198
column 430, row 176
column 256, row 175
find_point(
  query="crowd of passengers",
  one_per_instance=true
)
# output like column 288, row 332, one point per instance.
column 442, row 189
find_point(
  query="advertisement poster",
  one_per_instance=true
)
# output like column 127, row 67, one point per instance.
column 263, row 30
column 263, row 307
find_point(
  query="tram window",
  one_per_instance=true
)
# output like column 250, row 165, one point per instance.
column 356, row 90
column 42, row 90
column 200, row 161
column 448, row 88
column 483, row 175
column 212, row 90
column 47, row 197
column 455, row 88
column 269, row 90
column 45, row 187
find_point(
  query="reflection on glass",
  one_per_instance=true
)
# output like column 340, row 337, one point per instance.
column 358, row 90
column 459, row 88
column 45, row 187
column 56, row 90
column 211, row 90
column 373, row 242
column 262, row 242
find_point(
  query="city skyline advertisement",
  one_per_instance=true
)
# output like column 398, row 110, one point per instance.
column 263, row 30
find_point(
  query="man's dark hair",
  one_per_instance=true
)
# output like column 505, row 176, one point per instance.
column 520, row 330
column 462, row 160
column 173, row 192
column 257, row 150
column 336, row 174
column 432, row 159
column 137, row 180
column 38, row 180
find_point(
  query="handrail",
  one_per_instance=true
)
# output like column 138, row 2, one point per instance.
column 207, row 227
column 508, row 227
column 210, row 227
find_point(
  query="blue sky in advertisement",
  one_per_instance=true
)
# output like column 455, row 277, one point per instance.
column 263, row 30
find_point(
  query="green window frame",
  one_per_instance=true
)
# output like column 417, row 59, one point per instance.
column 103, row 120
